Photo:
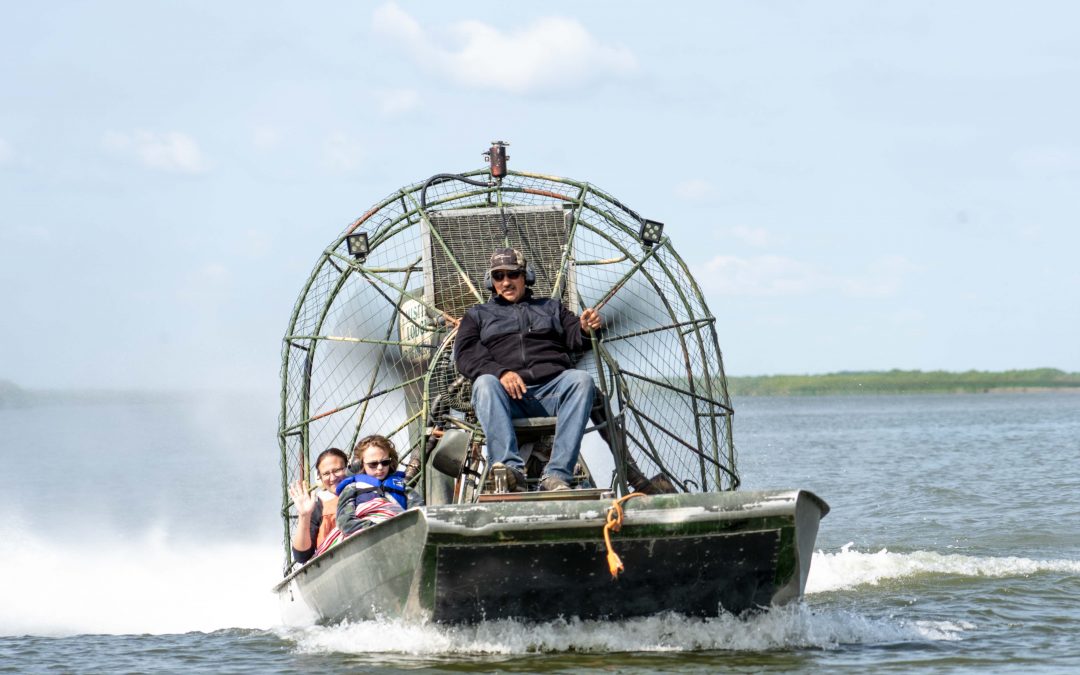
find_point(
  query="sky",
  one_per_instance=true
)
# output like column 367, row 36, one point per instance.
column 857, row 185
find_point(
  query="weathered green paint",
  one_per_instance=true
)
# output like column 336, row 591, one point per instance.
column 563, row 543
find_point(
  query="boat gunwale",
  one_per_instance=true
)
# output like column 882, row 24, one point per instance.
column 737, row 506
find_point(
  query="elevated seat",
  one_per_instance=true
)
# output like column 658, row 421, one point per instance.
column 529, row 426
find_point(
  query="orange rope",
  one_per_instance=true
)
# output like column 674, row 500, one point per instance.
column 614, row 523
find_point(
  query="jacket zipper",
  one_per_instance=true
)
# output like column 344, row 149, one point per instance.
column 523, row 325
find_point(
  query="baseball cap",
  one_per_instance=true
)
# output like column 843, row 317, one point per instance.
column 507, row 259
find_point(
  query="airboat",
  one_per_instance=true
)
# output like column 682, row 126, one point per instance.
column 656, row 522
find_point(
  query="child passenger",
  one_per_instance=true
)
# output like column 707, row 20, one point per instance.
column 376, row 491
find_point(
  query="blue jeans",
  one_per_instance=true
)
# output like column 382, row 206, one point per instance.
column 568, row 396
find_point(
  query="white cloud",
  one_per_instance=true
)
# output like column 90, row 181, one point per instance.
column 255, row 243
column 695, row 189
column 341, row 152
column 551, row 53
column 392, row 21
column 1031, row 231
column 206, row 285
column 214, row 273
column 29, row 234
column 757, row 237
column 397, row 101
column 168, row 151
column 885, row 277
column 772, row 275
column 6, row 153
column 265, row 137
column 906, row 318
column 1047, row 160
column 760, row 275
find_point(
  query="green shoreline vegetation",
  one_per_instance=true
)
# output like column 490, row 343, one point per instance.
column 861, row 382
column 905, row 382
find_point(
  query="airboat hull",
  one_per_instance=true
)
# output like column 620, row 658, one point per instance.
column 693, row 554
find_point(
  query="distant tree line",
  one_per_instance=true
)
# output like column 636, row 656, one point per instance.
column 846, row 382
column 10, row 394
column 903, row 382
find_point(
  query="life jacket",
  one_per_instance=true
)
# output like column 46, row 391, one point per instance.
column 333, row 538
column 329, row 515
column 374, row 501
column 371, row 512
column 391, row 487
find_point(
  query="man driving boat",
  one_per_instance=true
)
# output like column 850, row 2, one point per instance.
column 516, row 350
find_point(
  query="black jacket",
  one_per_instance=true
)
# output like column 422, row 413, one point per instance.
column 532, row 337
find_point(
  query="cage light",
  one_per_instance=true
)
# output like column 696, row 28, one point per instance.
column 651, row 232
column 358, row 245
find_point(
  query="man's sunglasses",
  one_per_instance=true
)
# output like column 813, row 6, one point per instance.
column 377, row 463
column 509, row 274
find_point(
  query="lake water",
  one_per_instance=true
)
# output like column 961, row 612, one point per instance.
column 145, row 538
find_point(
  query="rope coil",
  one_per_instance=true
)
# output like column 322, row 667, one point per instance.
column 614, row 524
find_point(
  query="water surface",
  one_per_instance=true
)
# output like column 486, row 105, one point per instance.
column 145, row 538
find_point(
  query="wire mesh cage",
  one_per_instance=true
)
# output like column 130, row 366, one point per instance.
column 366, row 349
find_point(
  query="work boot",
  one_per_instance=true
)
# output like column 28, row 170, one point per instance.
column 507, row 478
column 553, row 484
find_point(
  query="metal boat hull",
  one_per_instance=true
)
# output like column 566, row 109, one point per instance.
column 695, row 554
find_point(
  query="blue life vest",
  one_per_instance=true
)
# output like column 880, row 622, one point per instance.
column 391, row 487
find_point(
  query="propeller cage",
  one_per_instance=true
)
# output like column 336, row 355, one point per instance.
column 369, row 343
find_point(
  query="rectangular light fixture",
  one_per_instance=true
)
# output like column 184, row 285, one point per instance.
column 358, row 245
column 651, row 232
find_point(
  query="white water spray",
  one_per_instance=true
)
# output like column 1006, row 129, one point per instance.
column 145, row 583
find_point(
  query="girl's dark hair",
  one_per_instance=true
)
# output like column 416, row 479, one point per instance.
column 330, row 452
column 381, row 442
